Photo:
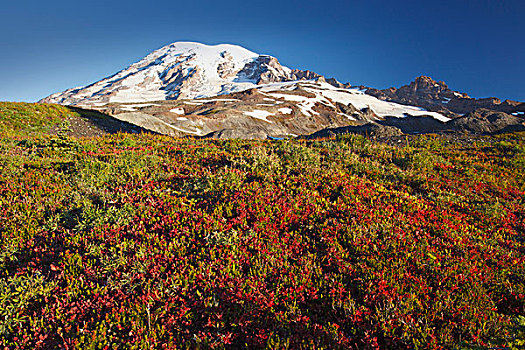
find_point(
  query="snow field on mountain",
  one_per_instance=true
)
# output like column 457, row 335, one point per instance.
column 382, row 108
column 177, row 110
column 285, row 110
column 327, row 94
column 197, row 132
column 259, row 114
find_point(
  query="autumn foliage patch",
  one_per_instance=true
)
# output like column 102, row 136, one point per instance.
column 152, row 242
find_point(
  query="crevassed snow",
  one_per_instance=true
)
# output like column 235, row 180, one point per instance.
column 206, row 58
column 259, row 114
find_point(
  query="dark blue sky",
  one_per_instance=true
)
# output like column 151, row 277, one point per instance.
column 476, row 46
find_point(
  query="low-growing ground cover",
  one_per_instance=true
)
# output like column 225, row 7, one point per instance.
column 19, row 118
column 148, row 241
column 31, row 119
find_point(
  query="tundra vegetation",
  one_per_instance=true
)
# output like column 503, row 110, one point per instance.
column 146, row 241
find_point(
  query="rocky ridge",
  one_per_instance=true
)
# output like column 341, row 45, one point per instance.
column 436, row 96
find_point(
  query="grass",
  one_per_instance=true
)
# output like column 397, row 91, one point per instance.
column 30, row 118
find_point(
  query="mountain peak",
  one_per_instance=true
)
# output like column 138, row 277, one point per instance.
column 183, row 70
column 436, row 96
column 188, row 47
column 426, row 83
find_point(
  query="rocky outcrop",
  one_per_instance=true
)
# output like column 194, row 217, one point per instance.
column 480, row 122
column 484, row 121
column 334, row 82
column 436, row 96
column 298, row 74
column 263, row 70
column 413, row 125
column 466, row 105
column 226, row 68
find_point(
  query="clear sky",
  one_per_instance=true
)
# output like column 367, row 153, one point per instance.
column 476, row 46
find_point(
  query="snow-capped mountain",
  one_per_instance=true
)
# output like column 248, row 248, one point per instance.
column 183, row 70
column 228, row 91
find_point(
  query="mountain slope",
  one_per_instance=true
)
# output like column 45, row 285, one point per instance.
column 183, row 70
column 20, row 118
column 275, row 109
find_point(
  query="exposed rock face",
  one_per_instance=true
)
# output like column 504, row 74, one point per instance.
column 226, row 68
column 264, row 70
column 484, row 121
column 305, row 75
column 336, row 83
column 466, row 105
column 436, row 96
column 410, row 125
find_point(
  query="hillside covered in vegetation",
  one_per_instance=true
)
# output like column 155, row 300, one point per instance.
column 147, row 241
